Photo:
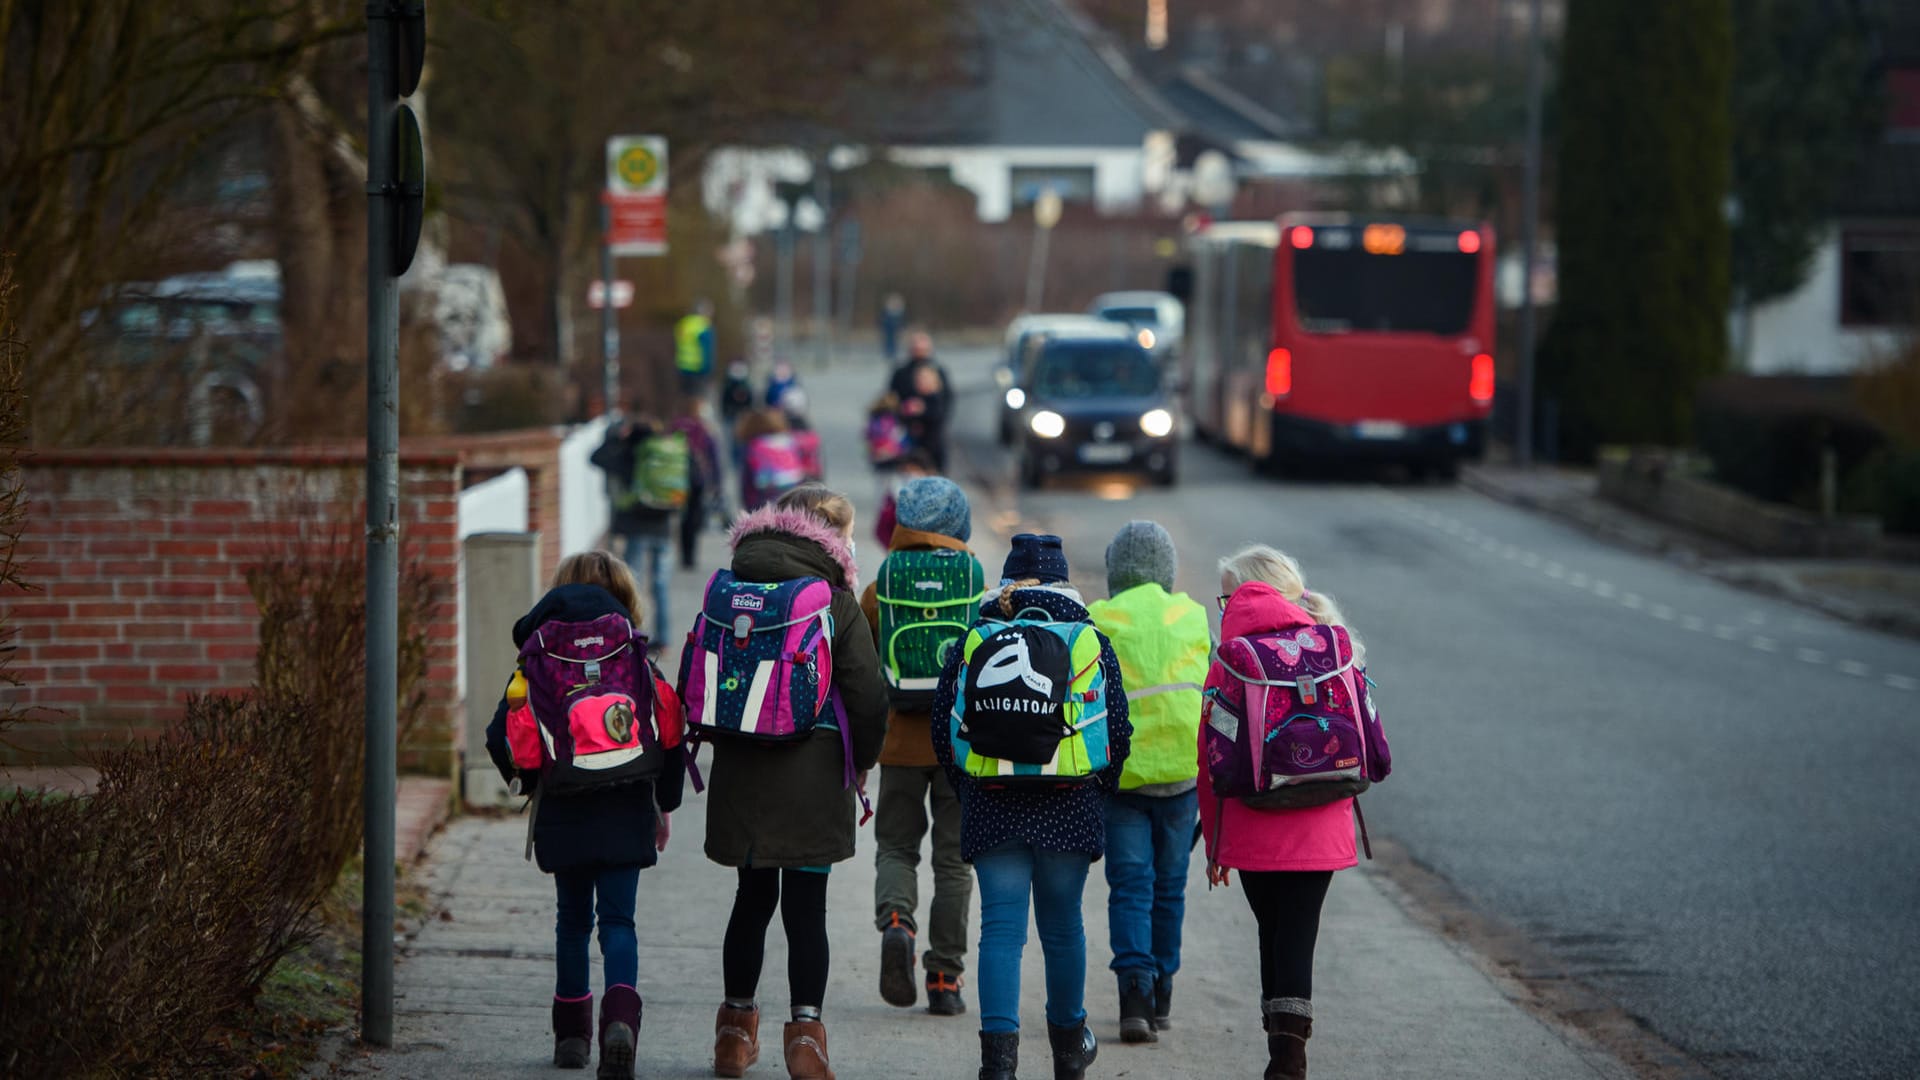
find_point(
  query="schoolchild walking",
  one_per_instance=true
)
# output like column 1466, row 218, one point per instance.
column 706, row 493
column 603, row 761
column 920, row 606
column 1162, row 641
column 650, row 475
column 1030, row 723
column 780, row 675
column 1288, row 737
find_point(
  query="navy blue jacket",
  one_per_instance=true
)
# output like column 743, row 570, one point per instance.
column 1067, row 821
column 608, row 827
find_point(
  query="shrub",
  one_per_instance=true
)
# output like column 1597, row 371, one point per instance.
column 1764, row 436
column 13, row 503
column 136, row 917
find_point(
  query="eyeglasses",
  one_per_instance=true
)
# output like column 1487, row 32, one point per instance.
column 1222, row 600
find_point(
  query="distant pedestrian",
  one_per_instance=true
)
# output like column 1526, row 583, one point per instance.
column 893, row 316
column 919, row 606
column 736, row 401
column 1162, row 641
column 693, row 348
column 781, row 813
column 593, row 837
column 926, row 398
column 916, row 464
column 780, row 380
column 774, row 459
column 706, row 490
column 649, row 474
column 1038, row 740
column 1284, row 654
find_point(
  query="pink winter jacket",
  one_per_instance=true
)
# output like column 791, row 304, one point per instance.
column 1316, row 838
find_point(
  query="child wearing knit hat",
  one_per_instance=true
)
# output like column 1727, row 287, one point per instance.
column 1162, row 640
column 919, row 607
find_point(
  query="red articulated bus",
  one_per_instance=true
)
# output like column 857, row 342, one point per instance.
column 1335, row 336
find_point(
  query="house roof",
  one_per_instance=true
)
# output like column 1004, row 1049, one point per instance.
column 1035, row 74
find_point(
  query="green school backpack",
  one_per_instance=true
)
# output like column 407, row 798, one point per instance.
column 661, row 473
column 927, row 602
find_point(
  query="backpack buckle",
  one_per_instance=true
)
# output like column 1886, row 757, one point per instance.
column 593, row 671
column 1307, row 690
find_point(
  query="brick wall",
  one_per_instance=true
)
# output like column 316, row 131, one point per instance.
column 141, row 557
column 537, row 450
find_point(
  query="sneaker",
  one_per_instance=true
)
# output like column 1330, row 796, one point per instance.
column 1162, row 1004
column 1136, row 1015
column 896, row 964
column 943, row 995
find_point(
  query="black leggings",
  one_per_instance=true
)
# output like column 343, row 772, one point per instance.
column 1286, row 904
column 801, row 896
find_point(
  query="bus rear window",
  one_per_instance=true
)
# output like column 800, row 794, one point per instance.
column 1337, row 291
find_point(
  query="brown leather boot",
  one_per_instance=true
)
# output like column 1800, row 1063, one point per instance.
column 736, row 1041
column 1287, row 1035
column 806, row 1045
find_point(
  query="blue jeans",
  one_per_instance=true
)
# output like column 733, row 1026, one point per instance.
column 615, row 888
column 659, row 549
column 1008, row 875
column 1149, row 839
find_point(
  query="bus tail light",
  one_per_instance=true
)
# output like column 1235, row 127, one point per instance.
column 1469, row 242
column 1301, row 236
column 1279, row 373
column 1479, row 383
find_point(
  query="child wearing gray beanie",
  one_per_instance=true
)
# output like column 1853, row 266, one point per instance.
column 1162, row 641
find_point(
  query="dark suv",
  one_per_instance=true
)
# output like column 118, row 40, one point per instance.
column 1095, row 403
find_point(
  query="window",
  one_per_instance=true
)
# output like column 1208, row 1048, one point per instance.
column 1350, row 290
column 1071, row 183
column 1879, row 277
column 1097, row 372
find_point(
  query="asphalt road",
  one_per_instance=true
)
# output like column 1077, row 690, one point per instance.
column 1698, row 800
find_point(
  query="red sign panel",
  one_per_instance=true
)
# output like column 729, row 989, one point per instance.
column 636, row 224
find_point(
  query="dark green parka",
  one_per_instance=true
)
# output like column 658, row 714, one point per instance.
column 783, row 805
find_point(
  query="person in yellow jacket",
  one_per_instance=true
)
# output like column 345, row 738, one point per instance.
column 693, row 349
column 1162, row 640
column 932, row 515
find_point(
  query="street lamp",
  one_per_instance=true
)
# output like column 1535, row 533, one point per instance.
column 1046, row 214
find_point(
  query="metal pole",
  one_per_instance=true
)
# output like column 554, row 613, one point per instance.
column 609, row 317
column 1037, row 269
column 1529, row 219
column 783, row 290
column 383, row 503
column 823, row 268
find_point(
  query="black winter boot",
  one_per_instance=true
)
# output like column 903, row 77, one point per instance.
column 1074, row 1048
column 1163, row 1003
column 573, row 1032
column 1289, row 1024
column 619, row 1032
column 1136, row 1014
column 999, row 1055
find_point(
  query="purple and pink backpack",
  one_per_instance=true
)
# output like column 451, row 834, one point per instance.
column 887, row 440
column 775, row 463
column 582, row 708
column 758, row 664
column 1291, row 724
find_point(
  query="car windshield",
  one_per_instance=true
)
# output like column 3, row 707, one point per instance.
column 1113, row 371
column 1132, row 316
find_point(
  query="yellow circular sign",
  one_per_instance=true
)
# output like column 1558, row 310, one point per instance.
column 637, row 165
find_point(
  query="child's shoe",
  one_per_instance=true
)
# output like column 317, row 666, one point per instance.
column 896, row 964
column 572, row 1032
column 619, row 1032
column 1136, row 1014
column 736, row 1040
column 1074, row 1048
column 806, row 1047
column 1163, row 1003
column 999, row 1054
column 1288, row 1029
column 943, row 995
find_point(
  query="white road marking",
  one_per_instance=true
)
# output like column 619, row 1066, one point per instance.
column 1764, row 644
column 1577, row 580
column 1630, row 600
column 1603, row 589
column 1661, row 612
column 1855, row 668
column 1555, row 570
column 1903, row 682
column 1725, row 632
column 1530, row 559
column 1692, row 622
column 1810, row 656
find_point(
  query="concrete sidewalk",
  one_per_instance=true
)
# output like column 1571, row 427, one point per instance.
column 1392, row 998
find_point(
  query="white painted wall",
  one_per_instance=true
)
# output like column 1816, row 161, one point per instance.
column 987, row 171
column 584, row 508
column 1801, row 333
column 496, row 505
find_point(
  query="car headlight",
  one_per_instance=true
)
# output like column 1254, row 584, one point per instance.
column 1157, row 423
column 1048, row 424
column 1016, row 397
column 1146, row 338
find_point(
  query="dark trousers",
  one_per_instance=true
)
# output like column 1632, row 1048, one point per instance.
column 801, row 897
column 1286, row 904
column 693, row 519
column 899, row 827
column 609, row 891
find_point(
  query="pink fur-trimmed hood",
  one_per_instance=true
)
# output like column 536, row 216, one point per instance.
column 800, row 524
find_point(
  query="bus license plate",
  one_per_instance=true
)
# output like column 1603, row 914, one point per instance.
column 1106, row 454
column 1380, row 429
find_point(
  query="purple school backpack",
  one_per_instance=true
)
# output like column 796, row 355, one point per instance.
column 1289, row 723
column 589, row 693
column 758, row 664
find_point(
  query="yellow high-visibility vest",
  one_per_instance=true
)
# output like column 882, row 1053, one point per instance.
column 1163, row 642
